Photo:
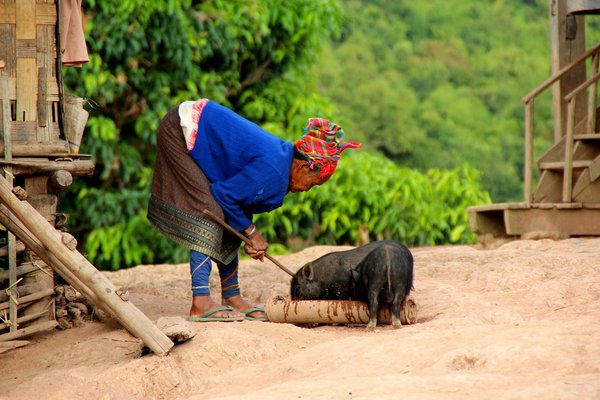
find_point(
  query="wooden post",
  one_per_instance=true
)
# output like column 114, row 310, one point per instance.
column 568, row 168
column 528, row 151
column 130, row 316
column 592, row 93
column 11, row 243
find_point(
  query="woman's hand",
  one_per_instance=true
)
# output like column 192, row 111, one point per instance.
column 258, row 245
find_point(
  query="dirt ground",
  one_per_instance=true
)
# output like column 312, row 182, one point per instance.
column 521, row 321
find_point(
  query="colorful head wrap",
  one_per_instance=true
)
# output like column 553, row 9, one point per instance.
column 322, row 143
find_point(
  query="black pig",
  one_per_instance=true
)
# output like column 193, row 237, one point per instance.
column 382, row 269
column 385, row 275
column 330, row 277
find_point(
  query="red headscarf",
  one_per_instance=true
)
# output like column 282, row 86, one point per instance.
column 322, row 144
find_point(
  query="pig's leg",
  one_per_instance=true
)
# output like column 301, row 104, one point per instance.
column 373, row 308
column 396, row 307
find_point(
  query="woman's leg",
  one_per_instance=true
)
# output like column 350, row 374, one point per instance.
column 200, row 268
column 230, row 289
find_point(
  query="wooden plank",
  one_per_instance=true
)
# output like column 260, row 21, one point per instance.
column 560, row 165
column 130, row 316
column 549, row 206
column 574, row 222
column 549, row 187
column 26, row 89
column 13, row 344
column 30, row 330
column 594, row 169
column 528, row 168
column 590, row 194
column 587, row 136
column 499, row 206
column 51, row 88
column 28, row 318
column 11, row 241
column 46, row 63
column 45, row 13
column 19, row 247
column 7, row 50
column 42, row 109
column 23, row 301
column 22, row 269
column 26, row 67
column 32, row 149
column 582, row 6
column 75, row 167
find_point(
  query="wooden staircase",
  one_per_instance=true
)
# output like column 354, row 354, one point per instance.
column 566, row 201
column 547, row 216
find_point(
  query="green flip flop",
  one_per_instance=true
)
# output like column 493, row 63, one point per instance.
column 254, row 309
column 206, row 317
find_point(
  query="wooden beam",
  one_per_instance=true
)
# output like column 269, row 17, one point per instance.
column 13, row 344
column 37, row 149
column 29, row 298
column 30, row 330
column 19, row 247
column 22, row 269
column 30, row 167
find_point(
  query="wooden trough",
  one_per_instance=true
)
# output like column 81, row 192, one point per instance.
column 333, row 312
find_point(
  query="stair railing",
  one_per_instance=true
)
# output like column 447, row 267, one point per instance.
column 591, row 84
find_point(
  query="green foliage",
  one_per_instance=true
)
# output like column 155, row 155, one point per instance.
column 435, row 84
column 371, row 198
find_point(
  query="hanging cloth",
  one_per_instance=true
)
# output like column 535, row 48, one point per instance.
column 72, row 39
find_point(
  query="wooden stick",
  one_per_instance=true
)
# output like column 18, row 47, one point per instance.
column 11, row 248
column 22, row 269
column 13, row 344
column 244, row 239
column 29, row 298
column 75, row 167
column 130, row 316
column 30, row 330
column 26, row 318
column 20, row 291
column 19, row 247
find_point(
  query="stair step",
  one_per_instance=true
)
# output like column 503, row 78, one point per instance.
column 560, row 165
column 587, row 136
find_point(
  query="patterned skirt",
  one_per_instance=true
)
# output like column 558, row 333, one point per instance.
column 180, row 194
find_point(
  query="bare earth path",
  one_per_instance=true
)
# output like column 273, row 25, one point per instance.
column 518, row 322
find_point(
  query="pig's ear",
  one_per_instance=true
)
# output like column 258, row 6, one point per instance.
column 308, row 272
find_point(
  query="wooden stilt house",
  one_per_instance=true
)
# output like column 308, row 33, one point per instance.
column 40, row 129
column 34, row 156
column 566, row 200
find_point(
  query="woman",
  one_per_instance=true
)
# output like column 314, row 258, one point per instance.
column 208, row 157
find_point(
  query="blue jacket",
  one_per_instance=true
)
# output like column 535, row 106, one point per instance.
column 249, row 168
